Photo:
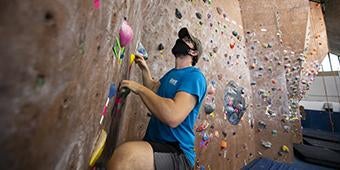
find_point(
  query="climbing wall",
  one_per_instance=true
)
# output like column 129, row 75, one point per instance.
column 58, row 65
column 219, row 144
column 275, row 35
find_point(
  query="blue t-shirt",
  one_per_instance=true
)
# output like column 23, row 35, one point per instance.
column 189, row 80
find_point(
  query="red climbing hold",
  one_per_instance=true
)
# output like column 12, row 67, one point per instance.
column 232, row 45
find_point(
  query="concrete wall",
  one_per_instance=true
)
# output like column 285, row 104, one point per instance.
column 57, row 65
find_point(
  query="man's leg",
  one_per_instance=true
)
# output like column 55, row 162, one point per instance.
column 132, row 155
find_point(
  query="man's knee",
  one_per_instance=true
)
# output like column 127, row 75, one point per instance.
column 136, row 152
column 124, row 151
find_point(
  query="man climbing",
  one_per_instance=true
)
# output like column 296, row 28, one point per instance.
column 174, row 102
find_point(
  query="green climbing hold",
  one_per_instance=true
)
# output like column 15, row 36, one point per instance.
column 40, row 81
column 235, row 33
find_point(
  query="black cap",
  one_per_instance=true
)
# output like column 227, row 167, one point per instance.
column 183, row 32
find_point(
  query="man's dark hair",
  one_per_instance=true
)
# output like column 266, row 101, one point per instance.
column 194, row 60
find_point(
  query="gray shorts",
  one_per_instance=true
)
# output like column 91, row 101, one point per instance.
column 168, row 156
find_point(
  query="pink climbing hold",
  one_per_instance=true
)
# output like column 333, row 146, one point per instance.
column 96, row 4
column 125, row 34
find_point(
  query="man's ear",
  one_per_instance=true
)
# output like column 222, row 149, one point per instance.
column 193, row 52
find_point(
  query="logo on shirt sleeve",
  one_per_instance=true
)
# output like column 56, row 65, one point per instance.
column 173, row 81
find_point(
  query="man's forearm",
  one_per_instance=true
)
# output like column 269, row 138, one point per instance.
column 147, row 79
column 159, row 106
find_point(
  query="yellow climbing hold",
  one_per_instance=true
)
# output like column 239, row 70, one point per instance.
column 132, row 58
column 212, row 115
column 285, row 148
column 99, row 146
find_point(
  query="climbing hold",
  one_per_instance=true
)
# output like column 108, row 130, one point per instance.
column 286, row 128
column 270, row 69
column 198, row 15
column 253, row 83
column 204, row 125
column 273, row 81
column 234, row 103
column 160, row 47
column 263, row 29
column 209, row 15
column 266, row 144
column 274, row 132
column 219, row 76
column 224, row 134
column 178, row 14
column 96, row 4
column 262, row 125
column 232, row 45
column 112, row 91
column 239, row 37
column 285, row 149
column 219, row 10
column 209, row 108
column 99, row 147
column 132, row 58
column 202, row 167
column 252, row 66
column 217, row 134
column 223, row 144
column 235, row 33
column 265, row 45
column 201, row 23
column 229, row 109
column 215, row 49
column 125, row 34
column 142, row 51
column 205, row 136
column 40, row 81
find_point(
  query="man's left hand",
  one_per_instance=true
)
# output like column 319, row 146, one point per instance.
column 132, row 85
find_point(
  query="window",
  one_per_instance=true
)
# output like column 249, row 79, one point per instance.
column 326, row 66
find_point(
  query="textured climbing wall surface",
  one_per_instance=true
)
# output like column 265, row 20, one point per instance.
column 58, row 64
column 274, row 30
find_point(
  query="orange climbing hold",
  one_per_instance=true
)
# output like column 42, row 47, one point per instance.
column 223, row 144
column 252, row 66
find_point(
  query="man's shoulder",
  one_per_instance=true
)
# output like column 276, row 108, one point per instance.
column 196, row 72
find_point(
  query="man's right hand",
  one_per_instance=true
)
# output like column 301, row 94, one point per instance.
column 141, row 62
